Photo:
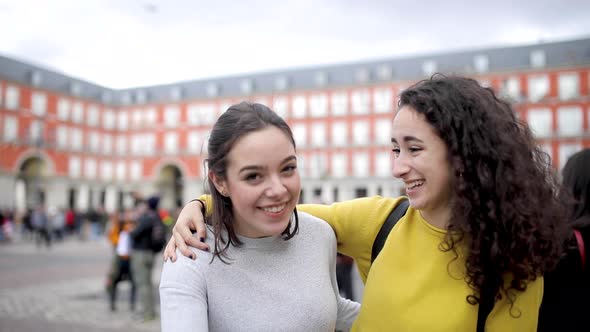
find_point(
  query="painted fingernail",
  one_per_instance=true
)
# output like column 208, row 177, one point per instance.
column 202, row 239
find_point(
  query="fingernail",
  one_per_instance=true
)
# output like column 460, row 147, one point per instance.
column 193, row 257
column 202, row 239
column 207, row 249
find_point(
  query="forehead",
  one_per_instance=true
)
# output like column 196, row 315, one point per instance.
column 409, row 122
column 263, row 147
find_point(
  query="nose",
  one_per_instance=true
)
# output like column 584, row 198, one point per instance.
column 276, row 187
column 400, row 165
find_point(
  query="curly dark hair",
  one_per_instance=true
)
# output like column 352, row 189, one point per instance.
column 235, row 123
column 505, row 209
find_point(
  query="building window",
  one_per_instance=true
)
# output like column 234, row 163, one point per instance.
column 77, row 140
column 281, row 106
column 361, row 165
column 149, row 147
column 540, row 122
column 94, row 140
column 136, row 118
column 126, row 98
column 362, row 75
column 570, row 121
column 171, row 116
column 77, row 112
column 383, row 131
column 281, row 83
column 61, row 134
column 429, row 68
column 201, row 114
column 566, row 150
column 120, row 171
column 537, row 59
column 383, row 164
column 74, row 167
column 107, row 144
column 63, row 109
column 106, row 170
column 36, row 78
column 75, row 88
column 10, row 128
column 140, row 96
column 121, row 145
column 360, row 102
column 339, row 133
column 511, row 88
column 384, row 73
column 318, row 105
column 109, row 120
column 106, row 97
column 317, row 167
column 299, row 107
column 12, row 100
column 300, row 134
column 90, row 168
column 150, row 116
column 360, row 132
column 36, row 131
column 247, row 86
column 123, row 120
column 569, row 86
column 171, row 143
column 318, row 134
column 481, row 63
column 538, row 87
column 93, row 114
column 175, row 93
column 320, row 79
column 136, row 170
column 39, row 103
column 136, row 145
column 339, row 103
column 212, row 90
column 339, row 165
column 383, row 100
column 196, row 140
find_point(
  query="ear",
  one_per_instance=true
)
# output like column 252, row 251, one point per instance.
column 220, row 184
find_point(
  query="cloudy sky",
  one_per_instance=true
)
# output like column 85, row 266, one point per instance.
column 131, row 43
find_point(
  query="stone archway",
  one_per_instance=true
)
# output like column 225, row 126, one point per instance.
column 31, row 182
column 170, row 185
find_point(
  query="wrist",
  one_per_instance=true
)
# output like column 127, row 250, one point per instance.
column 203, row 206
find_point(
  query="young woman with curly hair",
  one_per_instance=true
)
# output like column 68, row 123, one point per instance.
column 484, row 219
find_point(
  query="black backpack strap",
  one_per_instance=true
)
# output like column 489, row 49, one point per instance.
column 486, row 304
column 392, row 219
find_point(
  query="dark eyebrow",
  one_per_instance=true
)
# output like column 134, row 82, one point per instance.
column 258, row 168
column 408, row 139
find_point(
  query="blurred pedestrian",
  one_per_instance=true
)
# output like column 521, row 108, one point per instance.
column 123, row 264
column 566, row 300
column 40, row 223
column 143, row 256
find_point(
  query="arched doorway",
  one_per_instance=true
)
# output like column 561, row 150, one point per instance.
column 170, row 186
column 31, row 183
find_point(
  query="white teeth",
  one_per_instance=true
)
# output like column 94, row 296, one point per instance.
column 414, row 184
column 274, row 209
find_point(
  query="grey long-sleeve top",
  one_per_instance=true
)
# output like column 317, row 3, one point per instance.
column 270, row 285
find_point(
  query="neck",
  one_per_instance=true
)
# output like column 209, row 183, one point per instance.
column 439, row 218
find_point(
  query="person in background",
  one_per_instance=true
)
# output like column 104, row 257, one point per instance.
column 123, row 264
column 483, row 226
column 143, row 256
column 566, row 301
column 40, row 223
column 271, row 268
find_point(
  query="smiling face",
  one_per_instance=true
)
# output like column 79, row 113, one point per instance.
column 420, row 160
column 262, row 182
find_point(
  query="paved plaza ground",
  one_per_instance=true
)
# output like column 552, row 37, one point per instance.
column 62, row 289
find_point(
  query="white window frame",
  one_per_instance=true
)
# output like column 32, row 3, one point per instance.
column 360, row 133
column 63, row 109
column 299, row 107
column 38, row 103
column 318, row 105
column 383, row 100
column 568, row 86
column 171, row 143
column 171, row 116
column 318, row 134
column 383, row 164
column 538, row 87
column 10, row 128
column 339, row 103
column 570, row 121
column 77, row 112
column 361, row 101
column 540, row 121
column 360, row 165
column 339, row 133
column 280, row 105
column 300, row 134
column 382, row 131
column 339, row 165
column 74, row 167
column 12, row 97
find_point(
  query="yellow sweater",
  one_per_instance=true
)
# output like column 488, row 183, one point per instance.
column 412, row 285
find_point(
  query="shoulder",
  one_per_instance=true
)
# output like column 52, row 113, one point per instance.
column 313, row 223
column 186, row 270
